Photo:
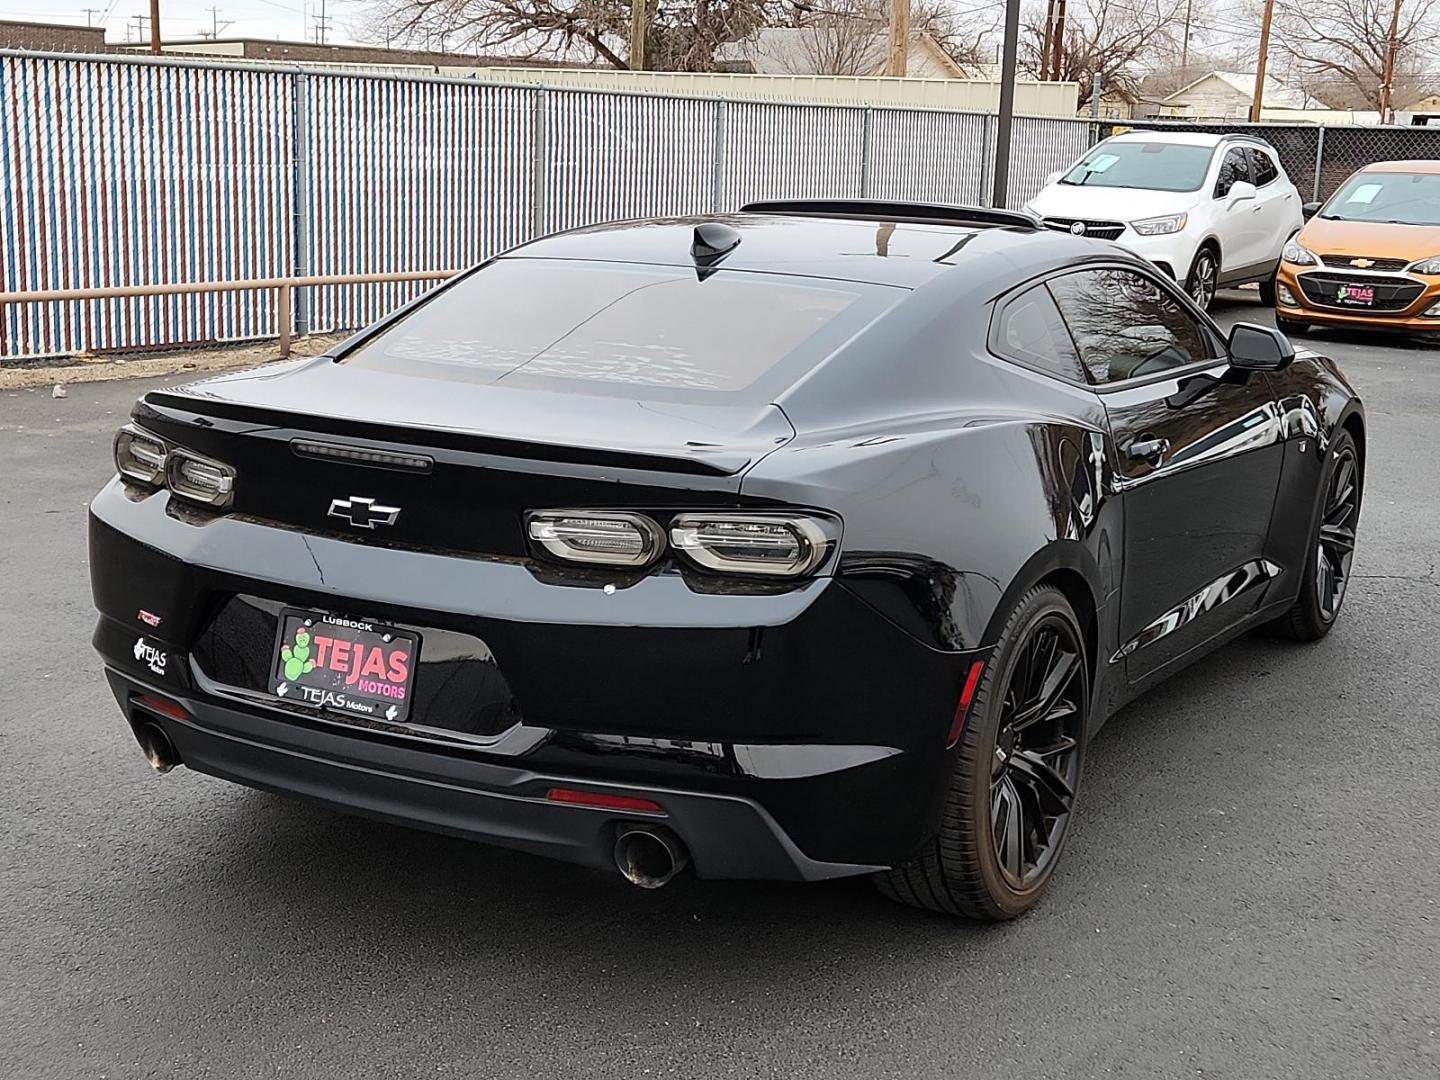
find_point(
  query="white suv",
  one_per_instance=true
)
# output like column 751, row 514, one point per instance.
column 1209, row 210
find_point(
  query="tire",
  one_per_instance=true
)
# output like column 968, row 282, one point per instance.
column 1290, row 326
column 1201, row 282
column 1331, row 548
column 995, row 779
column 1267, row 292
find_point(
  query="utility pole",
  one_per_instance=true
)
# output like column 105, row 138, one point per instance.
column 1259, row 98
column 1000, row 187
column 899, row 38
column 1387, row 81
column 639, row 14
column 322, row 25
column 215, row 25
column 141, row 23
column 1057, row 43
column 1045, row 40
column 89, row 11
column 155, row 27
column 1185, row 41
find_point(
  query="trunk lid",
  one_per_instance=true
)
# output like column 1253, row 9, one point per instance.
column 474, row 456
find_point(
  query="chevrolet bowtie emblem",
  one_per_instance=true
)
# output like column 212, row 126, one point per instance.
column 363, row 513
column 1363, row 264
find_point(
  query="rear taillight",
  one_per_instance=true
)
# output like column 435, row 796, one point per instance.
column 612, row 539
column 786, row 544
column 775, row 545
column 200, row 479
column 140, row 456
column 147, row 459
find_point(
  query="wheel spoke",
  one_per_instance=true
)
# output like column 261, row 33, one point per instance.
column 1338, row 539
column 1060, row 674
column 1051, row 789
column 1006, row 826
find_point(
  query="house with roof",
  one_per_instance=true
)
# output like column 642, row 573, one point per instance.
column 843, row 49
column 1226, row 95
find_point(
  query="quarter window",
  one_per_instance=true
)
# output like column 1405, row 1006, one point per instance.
column 1235, row 167
column 1266, row 171
column 1126, row 326
column 1031, row 332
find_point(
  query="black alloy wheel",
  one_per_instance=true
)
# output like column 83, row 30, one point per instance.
column 1017, row 771
column 1332, row 549
column 1204, row 275
column 1037, row 753
column 1336, row 544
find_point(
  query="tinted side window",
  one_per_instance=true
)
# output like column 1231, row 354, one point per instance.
column 1125, row 325
column 1236, row 166
column 1030, row 331
column 1265, row 168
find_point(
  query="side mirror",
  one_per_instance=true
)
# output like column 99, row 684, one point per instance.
column 1310, row 209
column 1259, row 348
column 1241, row 191
column 1053, row 178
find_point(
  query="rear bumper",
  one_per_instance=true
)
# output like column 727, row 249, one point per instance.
column 795, row 734
column 727, row 836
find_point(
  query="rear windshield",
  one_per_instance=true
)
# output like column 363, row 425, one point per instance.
column 623, row 329
column 1153, row 166
column 1399, row 198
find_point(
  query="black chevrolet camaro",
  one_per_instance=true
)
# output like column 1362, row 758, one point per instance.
column 809, row 541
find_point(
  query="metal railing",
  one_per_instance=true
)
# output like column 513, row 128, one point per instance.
column 283, row 288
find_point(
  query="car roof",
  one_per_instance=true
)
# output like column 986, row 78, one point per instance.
column 877, row 251
column 1180, row 138
column 1419, row 165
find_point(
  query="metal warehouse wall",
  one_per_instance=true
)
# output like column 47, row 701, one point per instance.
column 123, row 171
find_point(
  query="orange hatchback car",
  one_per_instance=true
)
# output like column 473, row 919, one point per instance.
column 1369, row 257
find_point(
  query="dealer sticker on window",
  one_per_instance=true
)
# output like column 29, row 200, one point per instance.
column 344, row 665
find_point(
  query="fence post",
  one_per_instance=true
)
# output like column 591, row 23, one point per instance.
column 1319, row 163
column 302, row 140
column 284, row 305
column 717, row 174
column 867, row 152
column 539, row 163
column 983, row 197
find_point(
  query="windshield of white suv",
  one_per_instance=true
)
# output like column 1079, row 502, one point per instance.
column 1398, row 198
column 1153, row 166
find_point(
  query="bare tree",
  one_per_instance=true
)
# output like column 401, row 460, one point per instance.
column 683, row 37
column 1117, row 42
column 1338, row 47
column 849, row 37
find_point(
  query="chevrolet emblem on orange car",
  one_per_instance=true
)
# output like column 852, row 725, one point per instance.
column 1390, row 211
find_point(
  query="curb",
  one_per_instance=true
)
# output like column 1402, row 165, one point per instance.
column 200, row 361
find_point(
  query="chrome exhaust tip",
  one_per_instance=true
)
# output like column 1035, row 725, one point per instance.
column 648, row 857
column 159, row 751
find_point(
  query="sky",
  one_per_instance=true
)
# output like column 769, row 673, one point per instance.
column 292, row 20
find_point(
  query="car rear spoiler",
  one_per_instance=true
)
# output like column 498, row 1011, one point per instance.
column 886, row 210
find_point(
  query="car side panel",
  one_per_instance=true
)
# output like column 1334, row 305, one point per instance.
column 1315, row 401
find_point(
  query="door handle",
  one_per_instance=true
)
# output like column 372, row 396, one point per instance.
column 1149, row 450
column 1256, row 209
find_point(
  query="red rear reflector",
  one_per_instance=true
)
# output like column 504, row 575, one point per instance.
column 162, row 706
column 609, row 802
column 962, row 707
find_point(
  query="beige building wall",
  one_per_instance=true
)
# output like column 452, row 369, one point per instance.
column 961, row 95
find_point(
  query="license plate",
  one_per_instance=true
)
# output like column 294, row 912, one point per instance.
column 342, row 665
column 1359, row 295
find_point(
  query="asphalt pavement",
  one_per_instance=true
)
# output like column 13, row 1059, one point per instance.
column 1251, row 890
